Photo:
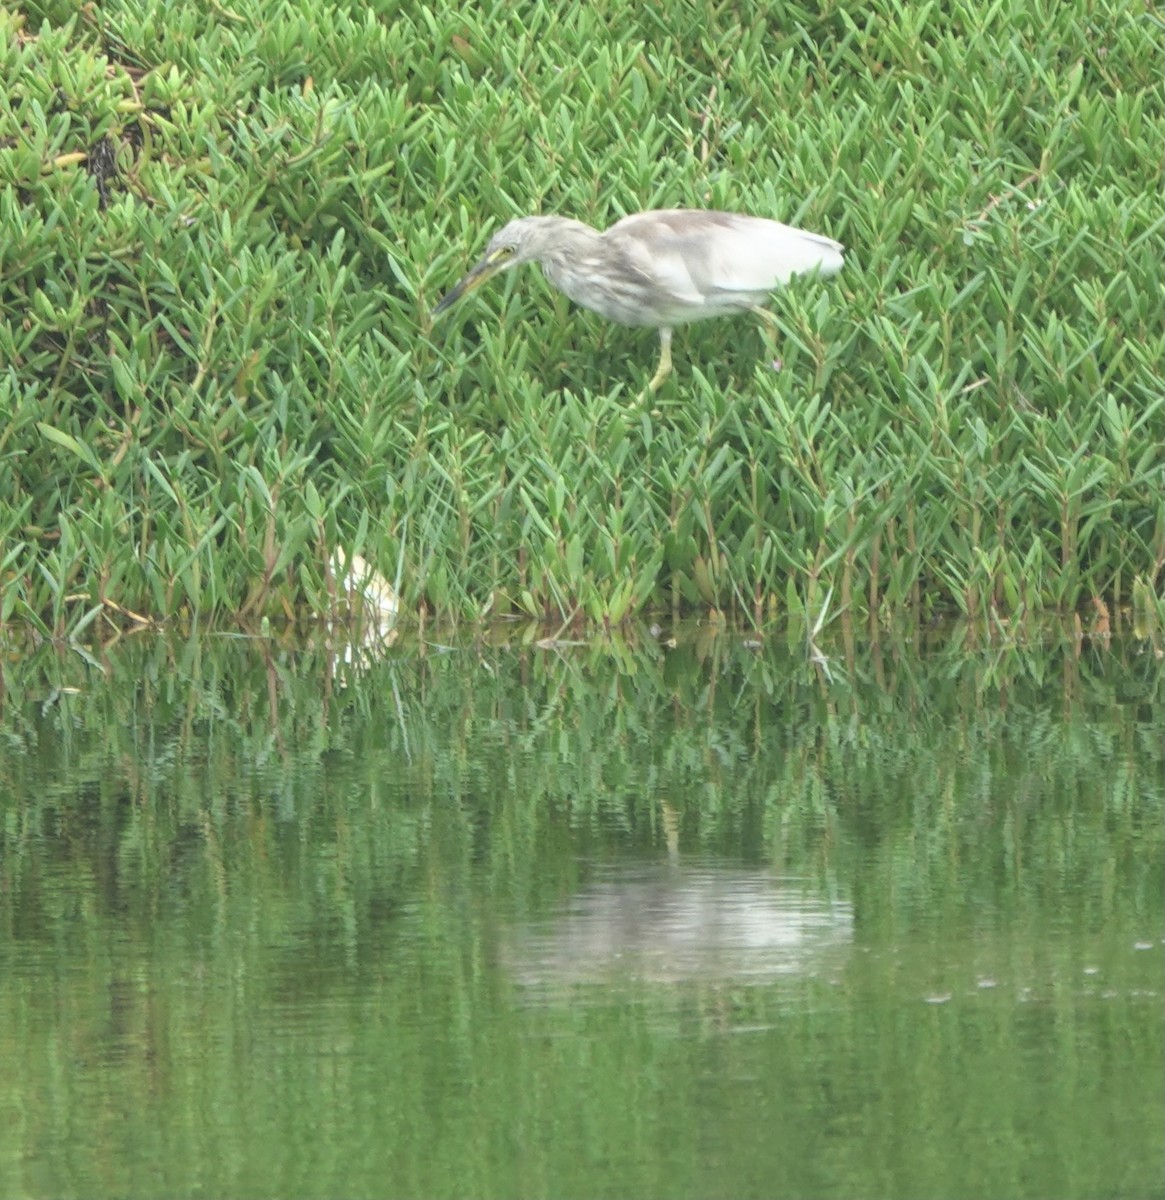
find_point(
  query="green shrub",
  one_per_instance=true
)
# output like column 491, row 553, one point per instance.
column 224, row 227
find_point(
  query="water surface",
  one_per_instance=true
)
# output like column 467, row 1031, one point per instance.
column 599, row 921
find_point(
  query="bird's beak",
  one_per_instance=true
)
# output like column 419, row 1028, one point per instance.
column 482, row 271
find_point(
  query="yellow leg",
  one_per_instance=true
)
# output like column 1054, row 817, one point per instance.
column 768, row 319
column 664, row 368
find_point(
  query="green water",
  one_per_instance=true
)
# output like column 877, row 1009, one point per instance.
column 603, row 921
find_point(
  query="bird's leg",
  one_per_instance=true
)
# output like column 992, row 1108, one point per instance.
column 664, row 368
column 771, row 321
column 768, row 318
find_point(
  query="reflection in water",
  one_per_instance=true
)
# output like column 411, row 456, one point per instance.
column 670, row 922
column 259, row 934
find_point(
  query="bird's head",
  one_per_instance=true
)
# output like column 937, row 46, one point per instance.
column 524, row 239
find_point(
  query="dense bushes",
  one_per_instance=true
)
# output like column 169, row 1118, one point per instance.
column 224, row 226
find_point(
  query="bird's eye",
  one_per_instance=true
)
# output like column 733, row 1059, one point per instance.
column 505, row 251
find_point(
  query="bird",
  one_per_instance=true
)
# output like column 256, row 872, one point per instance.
column 660, row 268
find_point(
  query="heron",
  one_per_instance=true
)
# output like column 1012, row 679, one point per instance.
column 661, row 268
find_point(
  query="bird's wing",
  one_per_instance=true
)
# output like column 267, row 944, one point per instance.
column 704, row 254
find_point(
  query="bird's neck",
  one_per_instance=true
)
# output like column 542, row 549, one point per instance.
column 568, row 237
